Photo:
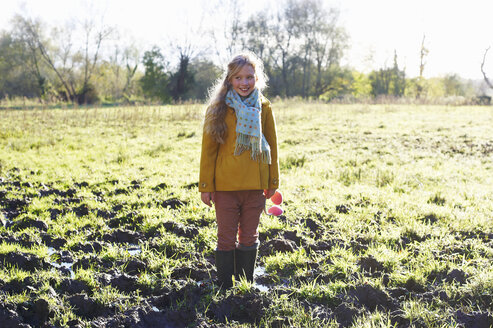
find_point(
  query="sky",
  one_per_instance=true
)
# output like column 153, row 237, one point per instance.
column 457, row 32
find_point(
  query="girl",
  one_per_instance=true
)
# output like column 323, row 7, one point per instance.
column 239, row 168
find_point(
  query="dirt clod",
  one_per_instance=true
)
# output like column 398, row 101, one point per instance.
column 88, row 247
column 72, row 286
column 193, row 273
column 41, row 310
column 474, row 319
column 10, row 318
column 123, row 236
column 248, row 308
column 173, row 203
column 124, row 283
column 345, row 313
column 370, row 297
column 456, row 275
column 343, row 208
column 27, row 223
column 370, row 264
column 180, row 229
column 311, row 224
column 414, row 286
column 26, row 261
column 277, row 245
column 84, row 306
column 134, row 266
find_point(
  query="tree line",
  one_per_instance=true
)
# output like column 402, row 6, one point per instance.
column 301, row 44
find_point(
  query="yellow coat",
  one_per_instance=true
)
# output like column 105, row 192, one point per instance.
column 221, row 170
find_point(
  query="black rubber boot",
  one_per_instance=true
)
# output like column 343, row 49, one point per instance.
column 245, row 262
column 225, row 265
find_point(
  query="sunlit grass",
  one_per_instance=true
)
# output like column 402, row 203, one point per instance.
column 406, row 186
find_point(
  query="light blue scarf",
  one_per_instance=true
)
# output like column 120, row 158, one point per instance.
column 249, row 134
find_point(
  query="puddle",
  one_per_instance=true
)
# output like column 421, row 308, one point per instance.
column 61, row 265
column 51, row 251
column 65, row 265
column 259, row 271
column 4, row 220
column 260, row 287
column 134, row 250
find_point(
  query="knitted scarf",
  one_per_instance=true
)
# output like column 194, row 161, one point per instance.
column 249, row 134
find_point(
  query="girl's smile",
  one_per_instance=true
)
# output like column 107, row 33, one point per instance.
column 244, row 81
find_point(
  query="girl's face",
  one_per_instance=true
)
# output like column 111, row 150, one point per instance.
column 244, row 80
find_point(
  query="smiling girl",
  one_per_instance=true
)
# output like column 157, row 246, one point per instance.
column 239, row 166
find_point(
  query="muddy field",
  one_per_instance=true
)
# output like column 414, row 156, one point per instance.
column 388, row 221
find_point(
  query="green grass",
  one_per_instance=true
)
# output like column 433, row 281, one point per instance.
column 407, row 186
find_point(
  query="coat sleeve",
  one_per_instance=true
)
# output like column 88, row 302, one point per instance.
column 208, row 163
column 271, row 136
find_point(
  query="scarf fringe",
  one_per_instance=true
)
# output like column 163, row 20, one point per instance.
column 245, row 142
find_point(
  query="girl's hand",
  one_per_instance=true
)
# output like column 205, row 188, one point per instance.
column 268, row 193
column 207, row 197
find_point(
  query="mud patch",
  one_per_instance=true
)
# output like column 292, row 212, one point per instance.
column 123, row 236
column 72, row 286
column 9, row 317
column 173, row 203
column 180, row 229
column 16, row 286
column 457, row 276
column 323, row 245
column 313, row 225
column 56, row 242
column 343, row 208
column 414, row 286
column 195, row 273
column 27, row 223
column 13, row 207
column 277, row 245
column 248, row 308
column 35, row 313
column 345, row 314
column 371, row 297
column 140, row 317
column 370, row 264
column 125, row 283
column 88, row 247
column 160, row 186
column 24, row 261
column 85, row 306
column 474, row 319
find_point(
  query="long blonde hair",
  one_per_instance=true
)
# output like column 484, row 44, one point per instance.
column 214, row 122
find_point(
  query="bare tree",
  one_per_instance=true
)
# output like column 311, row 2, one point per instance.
column 422, row 54
column 73, row 66
column 318, row 39
column 329, row 42
column 227, row 39
column 283, row 36
column 22, row 33
column 93, row 38
column 123, row 64
column 131, row 57
column 482, row 69
column 257, row 35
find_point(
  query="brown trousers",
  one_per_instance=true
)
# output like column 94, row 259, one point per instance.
column 238, row 213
